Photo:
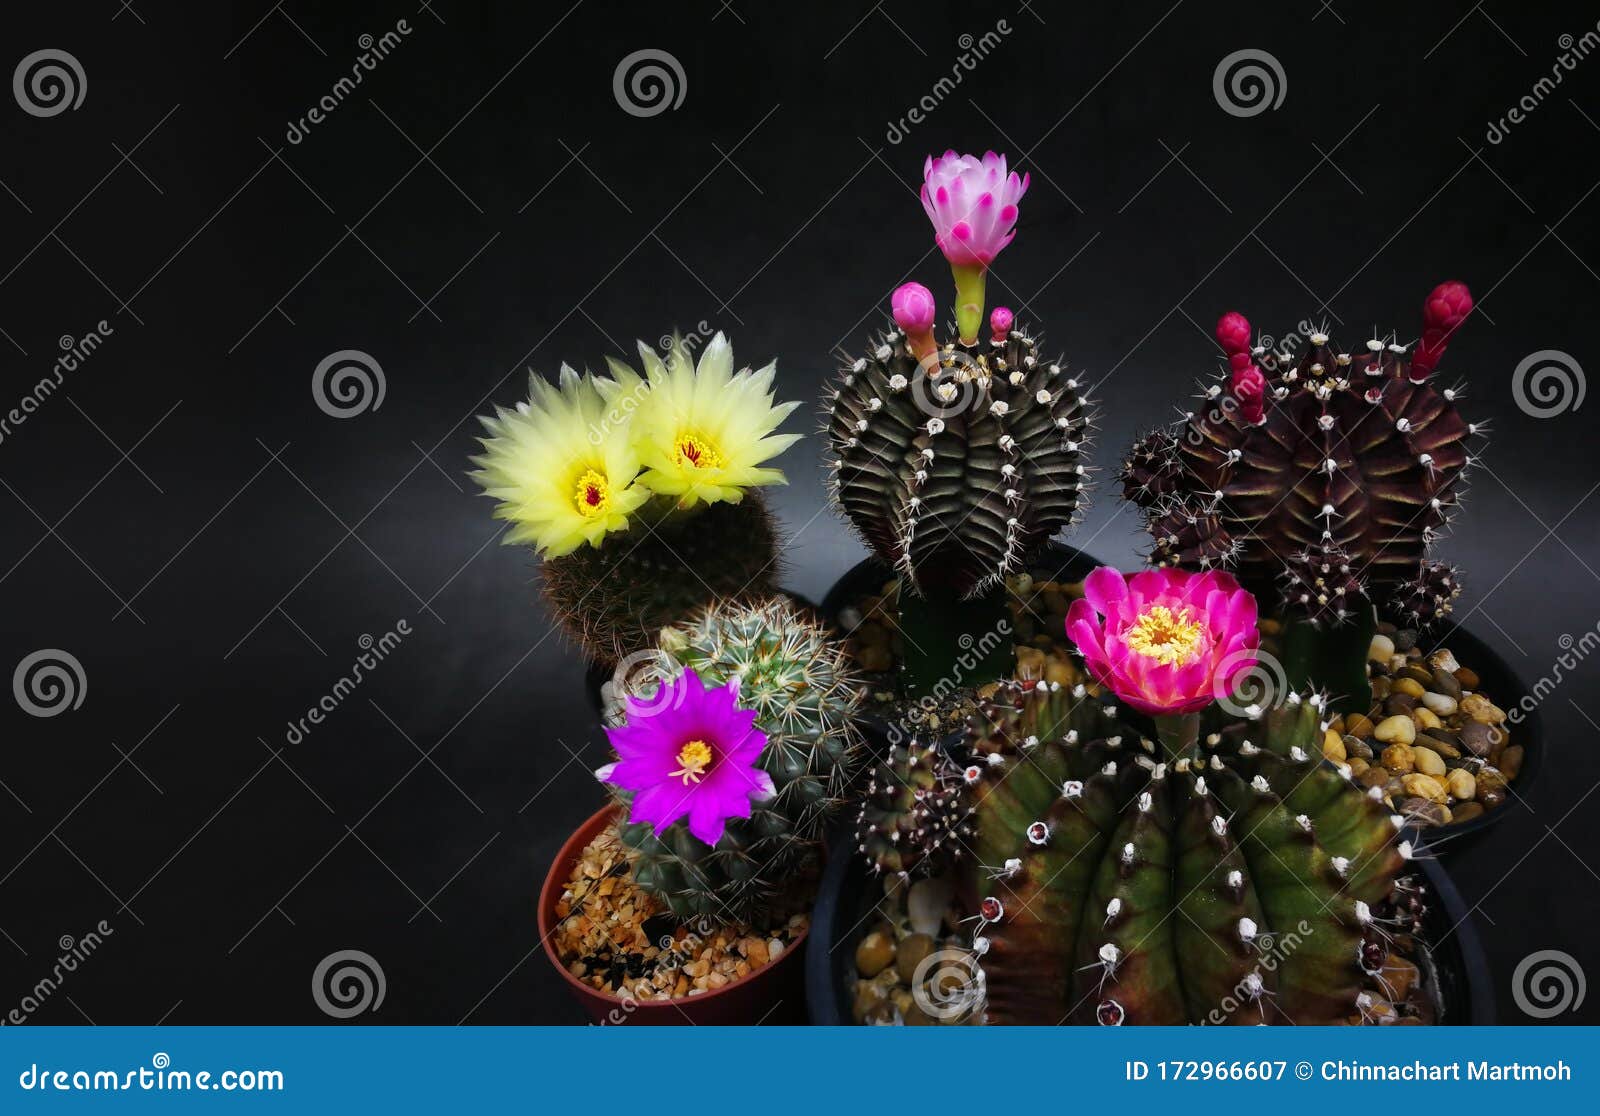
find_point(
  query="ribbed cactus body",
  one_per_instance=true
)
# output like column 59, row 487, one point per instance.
column 1234, row 883
column 1356, row 460
column 955, row 469
column 799, row 683
column 613, row 600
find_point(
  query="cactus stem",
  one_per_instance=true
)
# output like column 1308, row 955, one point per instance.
column 970, row 281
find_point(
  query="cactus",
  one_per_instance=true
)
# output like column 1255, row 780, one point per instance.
column 956, row 461
column 1342, row 459
column 805, row 698
column 915, row 812
column 614, row 600
column 1240, row 879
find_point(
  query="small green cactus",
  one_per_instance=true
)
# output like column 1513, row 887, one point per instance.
column 1231, row 880
column 798, row 681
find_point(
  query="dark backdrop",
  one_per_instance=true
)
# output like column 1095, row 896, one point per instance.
column 211, row 546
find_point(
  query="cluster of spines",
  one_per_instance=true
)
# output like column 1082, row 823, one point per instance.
column 1137, row 887
column 915, row 815
column 956, row 464
column 1336, row 455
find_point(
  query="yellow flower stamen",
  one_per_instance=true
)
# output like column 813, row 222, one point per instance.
column 1161, row 634
column 593, row 496
column 691, row 449
column 693, row 759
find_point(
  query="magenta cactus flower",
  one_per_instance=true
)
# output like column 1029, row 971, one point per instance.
column 914, row 310
column 1167, row 642
column 972, row 203
column 685, row 751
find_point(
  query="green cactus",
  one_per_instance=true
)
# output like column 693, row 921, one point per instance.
column 798, row 681
column 955, row 470
column 614, row 600
column 1233, row 879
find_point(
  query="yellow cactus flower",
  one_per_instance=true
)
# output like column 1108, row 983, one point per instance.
column 562, row 465
column 703, row 434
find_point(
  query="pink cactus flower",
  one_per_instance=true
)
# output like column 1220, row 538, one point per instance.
column 972, row 203
column 1165, row 641
column 689, row 751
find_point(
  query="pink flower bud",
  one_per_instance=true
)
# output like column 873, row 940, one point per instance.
column 1233, row 333
column 914, row 311
column 1000, row 322
column 1445, row 309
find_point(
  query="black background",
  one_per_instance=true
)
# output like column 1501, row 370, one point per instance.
column 482, row 204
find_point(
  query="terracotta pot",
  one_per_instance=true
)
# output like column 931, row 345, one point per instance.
column 773, row 994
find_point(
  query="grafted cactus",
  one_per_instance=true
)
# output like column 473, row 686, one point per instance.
column 956, row 461
column 1231, row 880
column 1323, row 480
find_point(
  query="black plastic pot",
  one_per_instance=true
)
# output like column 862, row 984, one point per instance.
column 1056, row 562
column 1501, row 685
column 1456, row 966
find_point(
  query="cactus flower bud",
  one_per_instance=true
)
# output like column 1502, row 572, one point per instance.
column 1443, row 312
column 914, row 310
column 1000, row 322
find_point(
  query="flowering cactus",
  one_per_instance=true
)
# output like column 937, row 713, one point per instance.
column 1166, row 642
column 972, row 203
column 687, row 751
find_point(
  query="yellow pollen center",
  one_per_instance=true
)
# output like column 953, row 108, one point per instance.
column 691, row 449
column 693, row 759
column 593, row 495
column 1169, row 637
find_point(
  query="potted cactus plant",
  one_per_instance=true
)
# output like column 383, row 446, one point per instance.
column 1173, row 859
column 956, row 457
column 732, row 749
column 641, row 492
column 1323, row 477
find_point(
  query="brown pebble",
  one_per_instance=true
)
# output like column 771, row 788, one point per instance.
column 1511, row 762
column 1357, row 725
column 1467, row 677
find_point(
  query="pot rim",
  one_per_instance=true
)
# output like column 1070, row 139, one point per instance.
column 555, row 882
